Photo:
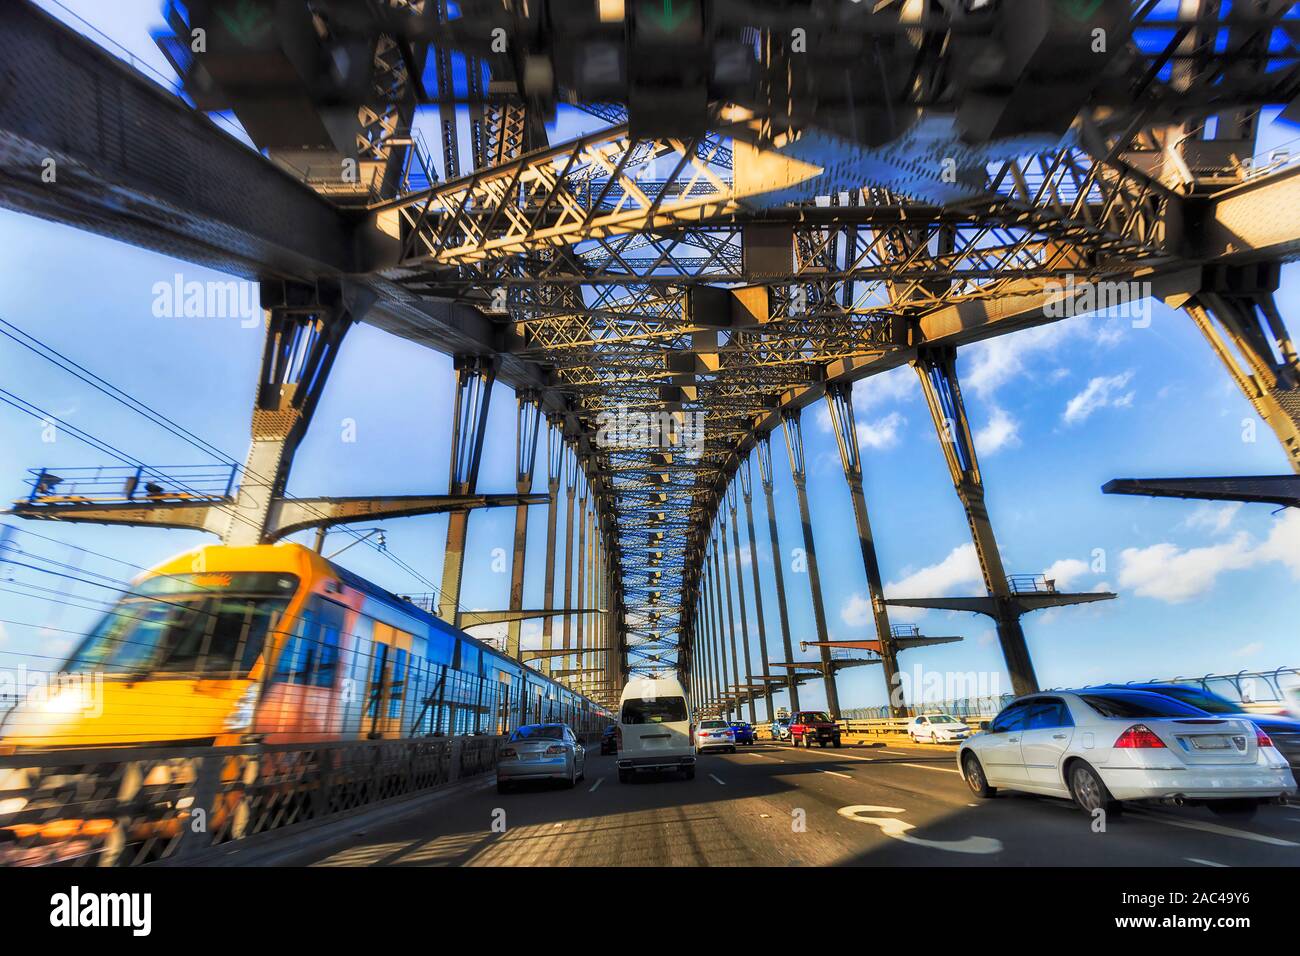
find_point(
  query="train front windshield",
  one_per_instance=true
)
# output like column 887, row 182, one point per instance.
column 213, row 624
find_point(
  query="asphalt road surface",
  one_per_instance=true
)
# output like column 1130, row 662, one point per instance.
column 775, row 805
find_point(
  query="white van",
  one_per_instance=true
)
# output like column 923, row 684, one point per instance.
column 655, row 729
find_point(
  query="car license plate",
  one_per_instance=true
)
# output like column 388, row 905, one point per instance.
column 1210, row 742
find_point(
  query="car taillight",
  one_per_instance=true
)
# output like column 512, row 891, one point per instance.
column 1139, row 736
column 508, row 752
column 1262, row 739
column 555, row 750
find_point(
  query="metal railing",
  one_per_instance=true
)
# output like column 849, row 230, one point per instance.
column 1277, row 689
column 124, row 484
column 1030, row 584
column 137, row 806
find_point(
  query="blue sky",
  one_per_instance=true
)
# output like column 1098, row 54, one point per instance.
column 1060, row 410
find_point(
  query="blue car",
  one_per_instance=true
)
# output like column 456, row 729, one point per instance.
column 781, row 728
column 1283, row 731
column 744, row 732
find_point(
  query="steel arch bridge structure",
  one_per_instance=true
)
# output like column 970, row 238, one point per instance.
column 774, row 201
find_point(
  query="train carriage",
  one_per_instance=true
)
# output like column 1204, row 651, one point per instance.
column 275, row 644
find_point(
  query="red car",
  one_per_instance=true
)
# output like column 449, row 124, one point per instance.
column 808, row 726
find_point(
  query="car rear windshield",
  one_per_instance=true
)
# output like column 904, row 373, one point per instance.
column 815, row 717
column 1210, row 703
column 654, row 710
column 1136, row 704
column 539, row 732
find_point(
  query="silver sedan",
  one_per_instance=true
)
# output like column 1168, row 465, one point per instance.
column 541, row 752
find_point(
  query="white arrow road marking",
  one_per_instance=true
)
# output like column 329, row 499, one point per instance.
column 897, row 829
column 717, row 780
column 1192, row 859
column 834, row 774
column 598, row 782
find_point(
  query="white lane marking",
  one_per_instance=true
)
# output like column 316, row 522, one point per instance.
column 926, row 766
column 834, row 774
column 716, row 780
column 896, row 829
column 598, row 782
column 1192, row 859
column 1206, row 827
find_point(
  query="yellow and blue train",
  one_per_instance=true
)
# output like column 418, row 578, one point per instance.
column 275, row 644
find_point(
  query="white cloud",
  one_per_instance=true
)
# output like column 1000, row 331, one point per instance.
column 1213, row 518
column 995, row 362
column 1100, row 392
column 1001, row 431
column 878, row 434
column 1169, row 573
column 956, row 572
column 1249, row 650
column 856, row 611
column 886, row 388
column 1065, row 572
column 882, row 433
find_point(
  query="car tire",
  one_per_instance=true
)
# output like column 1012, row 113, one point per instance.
column 973, row 771
column 1090, row 792
column 1237, row 809
column 689, row 773
column 624, row 776
column 837, row 742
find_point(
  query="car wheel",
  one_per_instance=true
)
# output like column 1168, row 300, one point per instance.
column 837, row 741
column 689, row 773
column 975, row 779
column 624, row 776
column 1089, row 792
column 1240, row 809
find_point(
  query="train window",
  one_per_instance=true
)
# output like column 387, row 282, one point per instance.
column 210, row 624
column 311, row 655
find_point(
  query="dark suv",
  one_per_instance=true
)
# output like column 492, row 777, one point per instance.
column 814, row 725
column 609, row 740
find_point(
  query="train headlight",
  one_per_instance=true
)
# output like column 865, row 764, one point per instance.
column 241, row 718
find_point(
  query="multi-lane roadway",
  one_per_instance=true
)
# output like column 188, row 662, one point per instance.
column 773, row 805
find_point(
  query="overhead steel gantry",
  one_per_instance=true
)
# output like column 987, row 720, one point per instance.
column 784, row 199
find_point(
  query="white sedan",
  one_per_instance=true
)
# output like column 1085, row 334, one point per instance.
column 1101, row 747
column 937, row 729
column 715, row 735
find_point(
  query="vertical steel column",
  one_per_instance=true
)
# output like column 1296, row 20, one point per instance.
column 732, row 680
column 747, row 492
column 305, row 326
column 528, row 420
column 740, row 597
column 580, row 559
column 731, row 609
column 794, row 446
column 716, row 649
column 554, row 465
column 839, row 400
column 593, row 585
column 1239, row 302
column 937, row 368
column 474, row 380
column 764, row 448
column 571, row 480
